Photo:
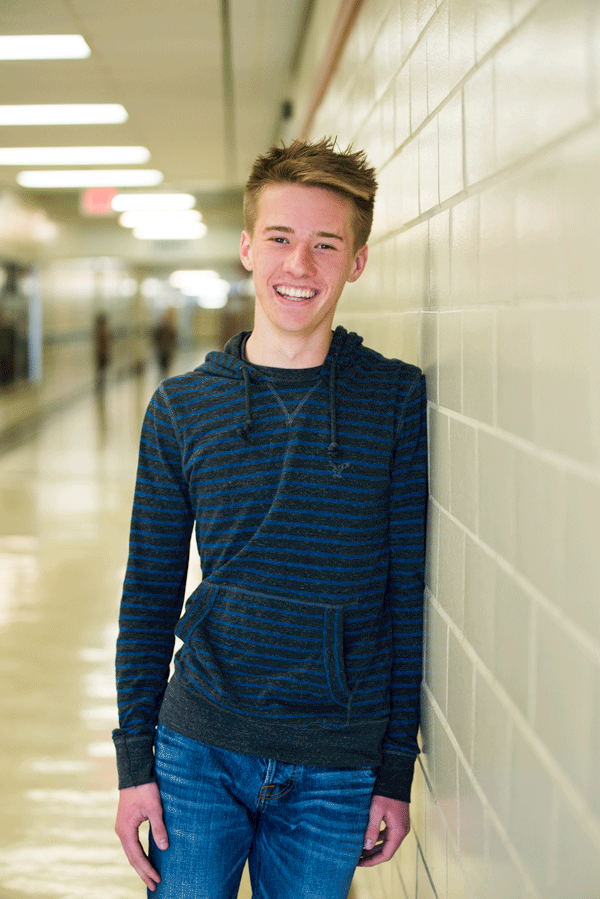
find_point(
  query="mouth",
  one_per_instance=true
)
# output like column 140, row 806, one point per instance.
column 295, row 293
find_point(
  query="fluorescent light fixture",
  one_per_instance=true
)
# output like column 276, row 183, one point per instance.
column 192, row 280
column 91, row 178
column 139, row 219
column 177, row 232
column 74, row 155
column 43, row 46
column 63, row 114
column 153, row 202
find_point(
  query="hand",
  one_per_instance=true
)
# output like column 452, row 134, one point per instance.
column 380, row 845
column 136, row 805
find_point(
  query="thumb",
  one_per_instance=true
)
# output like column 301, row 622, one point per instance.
column 159, row 831
column 372, row 832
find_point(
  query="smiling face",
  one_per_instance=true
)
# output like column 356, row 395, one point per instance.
column 301, row 254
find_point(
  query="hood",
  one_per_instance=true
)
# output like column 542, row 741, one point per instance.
column 229, row 364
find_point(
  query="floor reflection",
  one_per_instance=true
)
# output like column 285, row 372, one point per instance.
column 66, row 500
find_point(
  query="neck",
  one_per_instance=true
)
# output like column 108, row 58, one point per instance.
column 289, row 351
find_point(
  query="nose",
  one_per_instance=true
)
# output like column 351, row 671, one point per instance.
column 299, row 261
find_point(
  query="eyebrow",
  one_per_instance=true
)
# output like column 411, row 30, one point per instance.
column 287, row 230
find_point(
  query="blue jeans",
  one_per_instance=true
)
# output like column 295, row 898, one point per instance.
column 301, row 828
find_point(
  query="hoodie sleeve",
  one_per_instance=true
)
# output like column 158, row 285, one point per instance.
column 408, row 507
column 153, row 592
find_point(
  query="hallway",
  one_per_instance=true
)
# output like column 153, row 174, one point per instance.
column 66, row 500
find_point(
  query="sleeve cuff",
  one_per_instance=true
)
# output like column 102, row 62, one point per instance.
column 135, row 758
column 395, row 776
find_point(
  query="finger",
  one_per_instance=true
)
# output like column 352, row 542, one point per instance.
column 139, row 861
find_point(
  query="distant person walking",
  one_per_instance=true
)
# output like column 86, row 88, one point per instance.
column 165, row 341
column 102, row 347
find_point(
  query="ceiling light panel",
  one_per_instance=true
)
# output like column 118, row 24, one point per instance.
column 43, row 46
column 63, row 114
column 74, row 155
column 180, row 232
column 137, row 218
column 153, row 202
column 91, row 178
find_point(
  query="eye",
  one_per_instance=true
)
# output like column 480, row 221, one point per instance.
column 279, row 240
column 325, row 246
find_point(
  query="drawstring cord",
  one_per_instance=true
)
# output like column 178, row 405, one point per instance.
column 243, row 430
column 333, row 449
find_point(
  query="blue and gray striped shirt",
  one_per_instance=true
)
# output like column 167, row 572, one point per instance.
column 308, row 493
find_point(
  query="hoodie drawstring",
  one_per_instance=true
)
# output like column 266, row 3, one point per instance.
column 333, row 449
column 242, row 431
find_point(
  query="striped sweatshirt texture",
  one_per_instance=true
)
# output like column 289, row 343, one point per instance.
column 308, row 492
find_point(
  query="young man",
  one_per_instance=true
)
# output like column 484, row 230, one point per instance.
column 287, row 734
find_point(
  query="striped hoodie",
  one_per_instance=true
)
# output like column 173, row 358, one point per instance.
column 308, row 491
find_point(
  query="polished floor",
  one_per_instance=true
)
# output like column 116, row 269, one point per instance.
column 66, row 498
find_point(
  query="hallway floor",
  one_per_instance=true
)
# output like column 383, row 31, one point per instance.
column 66, row 500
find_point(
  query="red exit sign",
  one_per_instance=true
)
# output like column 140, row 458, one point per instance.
column 97, row 201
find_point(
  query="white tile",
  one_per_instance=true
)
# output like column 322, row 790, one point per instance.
column 446, row 778
column 594, row 784
column 437, row 58
column 439, row 259
column 491, row 748
column 472, row 826
column 536, row 101
column 480, row 124
column 492, row 21
column 578, row 863
column 436, row 655
column 451, row 565
column 582, row 531
column 531, row 810
column 515, row 372
column 496, row 497
column 460, row 696
column 463, row 473
column 565, row 346
column 540, row 531
column 480, row 591
column 410, row 29
column 464, row 253
column 451, row 148
column 563, row 697
column 450, row 362
column 512, row 633
column 410, row 180
column 429, row 353
column 428, row 167
column 497, row 247
column 402, row 110
column 478, row 365
column 418, row 86
column 504, row 879
column 439, row 456
column 462, row 39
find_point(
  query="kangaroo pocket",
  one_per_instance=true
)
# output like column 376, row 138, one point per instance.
column 259, row 655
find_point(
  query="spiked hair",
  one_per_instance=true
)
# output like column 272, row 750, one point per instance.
column 317, row 164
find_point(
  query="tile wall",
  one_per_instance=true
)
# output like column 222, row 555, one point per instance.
column 483, row 119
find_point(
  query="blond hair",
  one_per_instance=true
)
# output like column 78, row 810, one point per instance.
column 317, row 164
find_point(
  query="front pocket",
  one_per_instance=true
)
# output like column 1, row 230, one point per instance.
column 258, row 655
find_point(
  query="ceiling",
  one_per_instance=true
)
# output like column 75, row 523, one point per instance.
column 203, row 83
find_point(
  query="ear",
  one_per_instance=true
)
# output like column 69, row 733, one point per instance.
column 246, row 251
column 358, row 265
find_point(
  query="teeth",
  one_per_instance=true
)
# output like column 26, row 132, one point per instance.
column 296, row 293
